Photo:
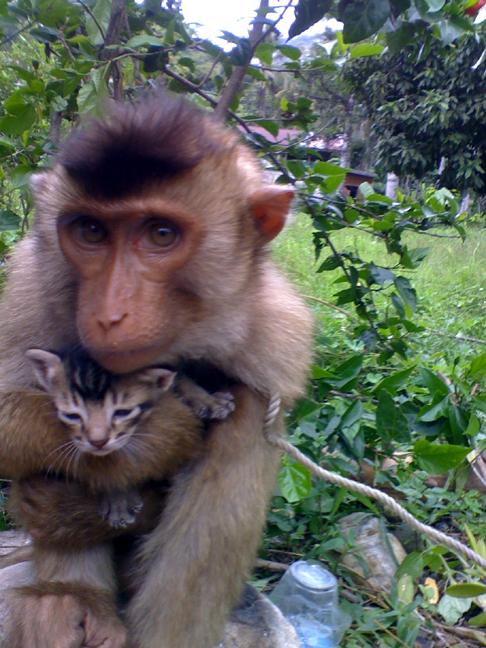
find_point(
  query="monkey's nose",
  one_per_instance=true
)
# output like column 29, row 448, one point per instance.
column 98, row 443
column 110, row 321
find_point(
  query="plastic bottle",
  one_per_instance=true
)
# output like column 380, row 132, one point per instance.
column 307, row 595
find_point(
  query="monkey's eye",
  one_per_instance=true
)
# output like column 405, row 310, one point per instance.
column 89, row 230
column 71, row 416
column 162, row 234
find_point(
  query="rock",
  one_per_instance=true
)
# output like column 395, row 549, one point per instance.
column 255, row 623
column 370, row 550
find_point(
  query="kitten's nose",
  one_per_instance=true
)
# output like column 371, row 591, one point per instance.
column 98, row 443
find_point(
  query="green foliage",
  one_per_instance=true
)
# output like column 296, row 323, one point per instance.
column 427, row 105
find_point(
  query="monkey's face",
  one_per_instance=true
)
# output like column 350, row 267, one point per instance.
column 131, row 260
column 153, row 273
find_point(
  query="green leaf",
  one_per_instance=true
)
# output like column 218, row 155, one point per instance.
column 434, row 384
column 93, row 92
column 144, row 40
column 352, row 415
column 473, row 426
column 328, row 169
column 290, row 52
column 406, row 292
column 294, row 481
column 332, row 183
column 347, row 371
column 391, row 422
column 466, row 590
column 20, row 122
column 296, row 168
column 434, row 410
column 362, row 18
column 451, row 609
column 412, row 565
column 458, row 423
column 318, row 373
column 380, row 275
column 477, row 369
column 255, row 73
column 8, row 220
column 96, row 27
column 394, row 382
column 437, row 458
column 331, row 263
column 478, row 621
column 398, row 39
column 264, row 53
column 366, row 49
column 6, row 146
column 45, row 34
column 269, row 125
column 412, row 258
column 307, row 13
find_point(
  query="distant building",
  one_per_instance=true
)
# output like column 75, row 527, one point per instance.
column 300, row 145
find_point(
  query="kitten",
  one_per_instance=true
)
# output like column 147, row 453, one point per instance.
column 101, row 411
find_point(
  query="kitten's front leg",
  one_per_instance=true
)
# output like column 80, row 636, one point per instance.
column 120, row 508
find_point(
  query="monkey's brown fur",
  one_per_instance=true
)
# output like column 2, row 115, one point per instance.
column 218, row 298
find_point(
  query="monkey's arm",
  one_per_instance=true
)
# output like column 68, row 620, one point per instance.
column 206, row 542
column 63, row 514
column 31, row 436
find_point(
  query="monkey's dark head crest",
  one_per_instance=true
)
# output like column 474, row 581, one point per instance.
column 153, row 139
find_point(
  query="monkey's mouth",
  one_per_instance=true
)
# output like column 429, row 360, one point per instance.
column 126, row 361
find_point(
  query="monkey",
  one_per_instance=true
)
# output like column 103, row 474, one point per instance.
column 150, row 245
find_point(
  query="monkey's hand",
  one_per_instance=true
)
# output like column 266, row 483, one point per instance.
column 59, row 513
column 58, row 615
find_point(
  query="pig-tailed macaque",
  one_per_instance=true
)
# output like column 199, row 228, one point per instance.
column 150, row 246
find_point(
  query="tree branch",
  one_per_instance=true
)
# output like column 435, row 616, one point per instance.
column 256, row 36
column 118, row 21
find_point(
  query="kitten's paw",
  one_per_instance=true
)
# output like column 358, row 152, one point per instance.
column 221, row 406
column 120, row 509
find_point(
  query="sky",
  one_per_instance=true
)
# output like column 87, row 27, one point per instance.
column 233, row 16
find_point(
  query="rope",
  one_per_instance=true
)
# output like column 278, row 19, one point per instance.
column 356, row 487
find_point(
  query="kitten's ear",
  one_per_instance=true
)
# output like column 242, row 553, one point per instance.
column 48, row 368
column 158, row 377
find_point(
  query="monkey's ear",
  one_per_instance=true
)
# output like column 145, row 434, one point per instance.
column 48, row 368
column 270, row 207
column 38, row 182
column 158, row 377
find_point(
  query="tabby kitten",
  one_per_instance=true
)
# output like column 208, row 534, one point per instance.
column 101, row 411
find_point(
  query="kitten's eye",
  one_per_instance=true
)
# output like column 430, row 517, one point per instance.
column 122, row 413
column 71, row 416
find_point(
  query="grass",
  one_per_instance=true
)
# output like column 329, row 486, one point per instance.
column 450, row 283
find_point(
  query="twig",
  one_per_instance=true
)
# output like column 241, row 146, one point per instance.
column 339, row 394
column 328, row 304
column 211, row 70
column 272, row 565
column 256, row 36
column 465, row 633
column 95, row 20
column 17, row 33
column 457, row 337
